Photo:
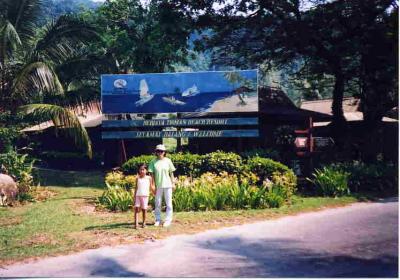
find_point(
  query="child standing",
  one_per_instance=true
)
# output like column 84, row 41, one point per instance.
column 142, row 192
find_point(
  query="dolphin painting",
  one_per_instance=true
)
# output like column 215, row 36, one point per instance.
column 171, row 100
column 192, row 91
column 144, row 95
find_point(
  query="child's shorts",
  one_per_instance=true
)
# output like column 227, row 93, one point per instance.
column 142, row 202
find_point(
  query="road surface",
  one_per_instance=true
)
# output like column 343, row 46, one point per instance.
column 360, row 240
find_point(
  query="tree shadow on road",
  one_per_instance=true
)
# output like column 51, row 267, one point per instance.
column 285, row 258
column 107, row 267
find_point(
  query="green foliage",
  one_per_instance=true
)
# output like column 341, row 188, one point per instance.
column 265, row 167
column 220, row 192
column 187, row 164
column 221, row 181
column 141, row 37
column 16, row 164
column 132, row 165
column 20, row 167
column 327, row 54
column 275, row 196
column 61, row 117
column 286, row 182
column 8, row 135
column 330, row 181
column 116, row 198
column 120, row 192
column 219, row 161
column 377, row 177
column 119, row 179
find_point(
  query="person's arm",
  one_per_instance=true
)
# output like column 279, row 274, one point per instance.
column 171, row 174
column 152, row 186
column 173, row 180
column 134, row 194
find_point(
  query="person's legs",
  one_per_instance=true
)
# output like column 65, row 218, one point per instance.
column 157, row 202
column 168, row 202
column 144, row 202
column 144, row 218
column 136, row 209
column 136, row 216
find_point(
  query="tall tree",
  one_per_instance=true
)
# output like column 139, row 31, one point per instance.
column 327, row 37
column 29, row 58
column 142, row 37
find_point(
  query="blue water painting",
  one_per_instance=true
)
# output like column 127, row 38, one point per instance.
column 213, row 91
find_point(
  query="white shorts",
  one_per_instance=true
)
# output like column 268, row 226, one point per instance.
column 141, row 202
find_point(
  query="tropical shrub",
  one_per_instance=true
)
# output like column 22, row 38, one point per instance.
column 286, row 182
column 119, row 193
column 214, row 192
column 330, row 181
column 219, row 161
column 265, row 167
column 119, row 179
column 378, row 177
column 116, row 198
column 187, row 164
column 20, row 167
column 132, row 165
column 275, row 197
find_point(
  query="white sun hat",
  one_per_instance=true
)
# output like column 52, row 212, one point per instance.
column 161, row 147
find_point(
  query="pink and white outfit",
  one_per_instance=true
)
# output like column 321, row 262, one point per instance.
column 142, row 192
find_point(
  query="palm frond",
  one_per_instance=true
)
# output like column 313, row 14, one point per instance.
column 64, row 121
column 60, row 39
column 38, row 76
column 24, row 14
column 82, row 96
column 10, row 41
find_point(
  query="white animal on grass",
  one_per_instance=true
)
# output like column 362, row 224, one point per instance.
column 8, row 189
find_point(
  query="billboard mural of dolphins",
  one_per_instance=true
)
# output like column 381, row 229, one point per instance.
column 212, row 91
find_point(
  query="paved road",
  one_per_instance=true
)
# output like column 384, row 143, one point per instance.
column 356, row 241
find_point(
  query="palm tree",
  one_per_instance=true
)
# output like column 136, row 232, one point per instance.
column 29, row 59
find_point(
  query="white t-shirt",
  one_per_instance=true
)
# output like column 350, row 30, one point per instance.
column 143, row 186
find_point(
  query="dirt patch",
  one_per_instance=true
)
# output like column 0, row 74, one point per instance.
column 88, row 206
column 10, row 221
column 100, row 238
column 42, row 193
column 39, row 239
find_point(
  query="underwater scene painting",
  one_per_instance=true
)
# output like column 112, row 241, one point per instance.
column 212, row 91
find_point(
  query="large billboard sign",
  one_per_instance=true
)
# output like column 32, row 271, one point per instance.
column 213, row 91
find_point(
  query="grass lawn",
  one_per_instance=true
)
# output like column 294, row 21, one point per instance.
column 68, row 221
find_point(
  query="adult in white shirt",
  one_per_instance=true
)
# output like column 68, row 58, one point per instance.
column 161, row 169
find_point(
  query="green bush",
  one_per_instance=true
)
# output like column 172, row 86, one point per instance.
column 119, row 179
column 286, row 182
column 116, row 198
column 224, row 192
column 330, row 181
column 275, row 197
column 265, row 167
column 187, row 164
column 377, row 177
column 218, row 162
column 132, row 165
column 20, row 167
